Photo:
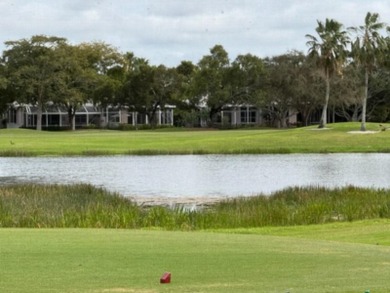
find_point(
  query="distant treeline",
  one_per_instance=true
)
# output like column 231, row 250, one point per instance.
column 345, row 71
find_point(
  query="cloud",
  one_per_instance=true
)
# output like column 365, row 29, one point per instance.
column 168, row 31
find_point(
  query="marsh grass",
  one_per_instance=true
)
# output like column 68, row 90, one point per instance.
column 85, row 206
column 81, row 205
column 15, row 153
column 303, row 206
column 94, row 153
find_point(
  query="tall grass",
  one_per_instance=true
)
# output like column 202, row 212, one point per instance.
column 81, row 205
column 302, row 206
column 15, row 153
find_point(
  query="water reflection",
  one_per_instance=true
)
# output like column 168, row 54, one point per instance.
column 211, row 175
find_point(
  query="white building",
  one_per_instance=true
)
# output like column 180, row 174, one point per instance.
column 25, row 115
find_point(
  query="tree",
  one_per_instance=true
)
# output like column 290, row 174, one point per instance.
column 367, row 51
column 348, row 91
column 211, row 86
column 148, row 88
column 185, row 73
column 218, row 83
column 291, row 87
column 307, row 88
column 378, row 106
column 108, row 68
column 78, row 79
column 34, row 70
column 247, row 79
column 103, row 72
column 330, row 53
column 163, row 90
column 4, row 96
column 279, row 90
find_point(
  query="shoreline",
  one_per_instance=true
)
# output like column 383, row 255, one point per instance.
column 172, row 202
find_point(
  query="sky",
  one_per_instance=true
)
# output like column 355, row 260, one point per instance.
column 170, row 31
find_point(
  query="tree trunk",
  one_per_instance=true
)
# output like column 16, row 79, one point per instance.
column 364, row 110
column 325, row 107
column 306, row 119
column 305, row 116
column 39, row 117
column 284, row 123
column 334, row 114
column 151, row 118
column 152, row 114
column 73, row 122
column 72, row 118
column 212, row 116
column 284, row 119
column 355, row 113
column 278, row 123
column 102, row 122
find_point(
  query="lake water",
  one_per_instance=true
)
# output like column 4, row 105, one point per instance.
column 203, row 175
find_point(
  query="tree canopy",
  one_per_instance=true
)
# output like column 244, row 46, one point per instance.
column 368, row 51
column 329, row 53
column 353, row 62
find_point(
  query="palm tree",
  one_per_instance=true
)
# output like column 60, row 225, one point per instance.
column 367, row 50
column 330, row 54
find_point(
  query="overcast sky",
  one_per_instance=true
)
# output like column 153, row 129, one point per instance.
column 169, row 31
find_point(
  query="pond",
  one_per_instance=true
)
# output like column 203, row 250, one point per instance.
column 202, row 175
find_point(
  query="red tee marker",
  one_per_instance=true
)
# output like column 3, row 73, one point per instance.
column 166, row 278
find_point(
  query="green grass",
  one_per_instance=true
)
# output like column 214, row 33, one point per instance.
column 22, row 142
column 374, row 231
column 101, row 260
column 235, row 254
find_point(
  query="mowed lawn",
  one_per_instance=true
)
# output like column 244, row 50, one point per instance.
column 340, row 257
column 336, row 138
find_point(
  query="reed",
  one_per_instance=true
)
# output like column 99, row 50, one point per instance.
column 16, row 153
column 85, row 206
column 80, row 205
column 303, row 206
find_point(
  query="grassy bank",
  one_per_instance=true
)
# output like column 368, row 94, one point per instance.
column 105, row 260
column 84, row 206
column 21, row 142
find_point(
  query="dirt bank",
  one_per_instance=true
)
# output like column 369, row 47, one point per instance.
column 187, row 202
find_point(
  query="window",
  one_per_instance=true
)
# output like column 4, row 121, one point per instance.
column 252, row 115
column 248, row 115
column 12, row 116
column 244, row 115
column 81, row 119
column 54, row 119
